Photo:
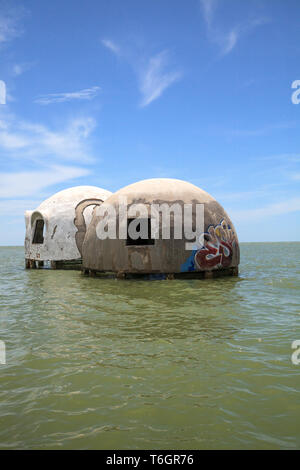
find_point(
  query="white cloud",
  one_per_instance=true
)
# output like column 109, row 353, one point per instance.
column 226, row 40
column 155, row 79
column 262, row 130
column 12, row 141
column 111, row 46
column 35, row 143
column 283, row 157
column 19, row 69
column 27, row 183
column 208, row 7
column 242, row 196
column 229, row 41
column 17, row 207
column 154, row 74
column 10, row 27
column 285, row 207
column 25, row 140
column 41, row 153
column 86, row 94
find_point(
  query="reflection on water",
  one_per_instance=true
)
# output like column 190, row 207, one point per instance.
column 103, row 363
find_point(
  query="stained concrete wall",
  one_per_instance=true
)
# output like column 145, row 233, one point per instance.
column 165, row 256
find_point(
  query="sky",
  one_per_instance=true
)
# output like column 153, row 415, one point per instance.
column 110, row 92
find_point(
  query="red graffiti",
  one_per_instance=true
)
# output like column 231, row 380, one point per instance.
column 218, row 247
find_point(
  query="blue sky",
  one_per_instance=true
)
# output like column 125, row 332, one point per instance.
column 107, row 93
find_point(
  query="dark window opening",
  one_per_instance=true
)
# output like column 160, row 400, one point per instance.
column 38, row 236
column 144, row 227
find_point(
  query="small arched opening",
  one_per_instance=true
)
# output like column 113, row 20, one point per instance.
column 38, row 224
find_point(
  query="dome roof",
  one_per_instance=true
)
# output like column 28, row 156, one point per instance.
column 161, row 189
column 70, row 197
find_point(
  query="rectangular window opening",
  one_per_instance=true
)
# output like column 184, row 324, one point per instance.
column 139, row 228
column 38, row 237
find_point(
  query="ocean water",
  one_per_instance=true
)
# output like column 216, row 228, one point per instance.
column 112, row 364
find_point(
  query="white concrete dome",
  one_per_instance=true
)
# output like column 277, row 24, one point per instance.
column 56, row 228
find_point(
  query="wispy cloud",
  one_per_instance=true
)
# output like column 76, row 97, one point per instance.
column 10, row 24
column 27, row 183
column 242, row 196
column 26, row 140
column 154, row 74
column 19, row 69
column 261, row 131
column 112, row 46
column 284, row 207
column 208, row 8
column 283, row 157
column 155, row 78
column 86, row 94
column 17, row 207
column 226, row 40
column 34, row 156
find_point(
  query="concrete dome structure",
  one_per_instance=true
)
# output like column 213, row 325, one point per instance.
column 214, row 250
column 56, row 229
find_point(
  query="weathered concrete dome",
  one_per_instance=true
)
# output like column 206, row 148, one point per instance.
column 215, row 250
column 55, row 230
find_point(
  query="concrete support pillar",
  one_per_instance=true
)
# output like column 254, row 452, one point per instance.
column 170, row 277
column 120, row 275
column 209, row 274
column 53, row 264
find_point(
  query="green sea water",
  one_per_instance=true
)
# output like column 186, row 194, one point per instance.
column 112, row 364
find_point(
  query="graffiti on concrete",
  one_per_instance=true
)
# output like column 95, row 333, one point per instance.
column 218, row 243
column 217, row 247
